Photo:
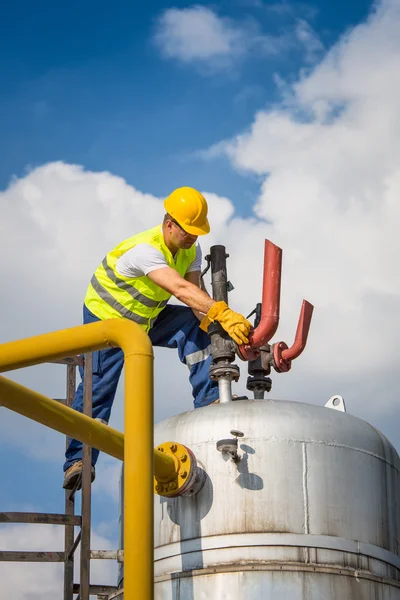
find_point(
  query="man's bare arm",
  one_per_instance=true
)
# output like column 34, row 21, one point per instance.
column 190, row 294
column 194, row 277
column 184, row 290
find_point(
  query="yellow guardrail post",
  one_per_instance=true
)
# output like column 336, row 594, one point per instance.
column 138, row 452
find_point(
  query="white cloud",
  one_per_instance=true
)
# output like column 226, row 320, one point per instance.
column 340, row 173
column 41, row 581
column 197, row 34
column 309, row 39
column 329, row 158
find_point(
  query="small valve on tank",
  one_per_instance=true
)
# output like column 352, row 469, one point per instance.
column 230, row 445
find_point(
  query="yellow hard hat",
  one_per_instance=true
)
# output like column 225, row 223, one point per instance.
column 189, row 208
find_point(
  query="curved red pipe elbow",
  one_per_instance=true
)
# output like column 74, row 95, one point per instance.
column 303, row 328
column 283, row 355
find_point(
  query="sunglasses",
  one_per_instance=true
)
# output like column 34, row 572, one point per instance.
column 185, row 233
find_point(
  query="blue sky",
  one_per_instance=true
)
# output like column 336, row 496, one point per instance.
column 99, row 85
column 84, row 83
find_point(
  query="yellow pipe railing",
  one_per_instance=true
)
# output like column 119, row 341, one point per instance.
column 53, row 414
column 138, row 451
column 59, row 417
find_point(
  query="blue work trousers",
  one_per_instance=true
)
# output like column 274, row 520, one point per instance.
column 175, row 327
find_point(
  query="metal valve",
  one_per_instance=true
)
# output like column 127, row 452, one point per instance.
column 230, row 445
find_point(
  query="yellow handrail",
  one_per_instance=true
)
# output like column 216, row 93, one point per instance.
column 138, row 451
column 51, row 413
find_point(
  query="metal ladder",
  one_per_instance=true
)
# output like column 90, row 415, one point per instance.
column 69, row 519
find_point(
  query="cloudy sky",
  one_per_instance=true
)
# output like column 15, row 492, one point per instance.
column 285, row 114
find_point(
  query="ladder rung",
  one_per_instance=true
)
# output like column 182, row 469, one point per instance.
column 20, row 556
column 97, row 589
column 46, row 518
column 69, row 360
column 107, row 555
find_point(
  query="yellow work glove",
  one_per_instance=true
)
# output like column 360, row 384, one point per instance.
column 236, row 326
column 205, row 323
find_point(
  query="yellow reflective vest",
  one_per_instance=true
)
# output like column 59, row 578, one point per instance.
column 111, row 295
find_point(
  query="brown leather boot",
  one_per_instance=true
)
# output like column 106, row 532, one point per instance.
column 71, row 475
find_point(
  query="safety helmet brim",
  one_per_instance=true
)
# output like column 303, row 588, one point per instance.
column 193, row 230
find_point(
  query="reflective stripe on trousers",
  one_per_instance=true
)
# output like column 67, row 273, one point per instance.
column 199, row 356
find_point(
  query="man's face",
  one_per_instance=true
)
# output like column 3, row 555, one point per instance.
column 180, row 238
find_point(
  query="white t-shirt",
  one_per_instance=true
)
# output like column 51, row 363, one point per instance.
column 144, row 258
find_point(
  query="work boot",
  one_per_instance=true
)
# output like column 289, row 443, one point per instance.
column 72, row 474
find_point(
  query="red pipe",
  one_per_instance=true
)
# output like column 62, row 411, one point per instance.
column 271, row 297
column 283, row 355
column 303, row 328
column 270, row 302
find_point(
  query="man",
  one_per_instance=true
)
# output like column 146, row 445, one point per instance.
column 135, row 281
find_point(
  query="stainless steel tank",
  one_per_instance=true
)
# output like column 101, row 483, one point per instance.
column 309, row 511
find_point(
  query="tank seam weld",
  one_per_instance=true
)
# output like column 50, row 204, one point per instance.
column 325, row 443
column 224, row 569
column 305, row 497
column 286, row 540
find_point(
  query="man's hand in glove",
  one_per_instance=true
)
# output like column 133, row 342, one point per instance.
column 236, row 326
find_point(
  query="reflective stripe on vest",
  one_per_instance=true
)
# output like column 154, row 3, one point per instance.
column 107, row 297
column 124, row 285
column 112, row 295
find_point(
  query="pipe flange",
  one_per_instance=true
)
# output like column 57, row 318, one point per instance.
column 186, row 476
column 224, row 371
column 259, row 382
column 246, row 353
column 280, row 364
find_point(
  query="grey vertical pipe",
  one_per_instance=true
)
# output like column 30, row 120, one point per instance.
column 219, row 283
column 69, row 502
column 219, row 279
column 225, row 390
column 256, row 366
column 86, row 486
